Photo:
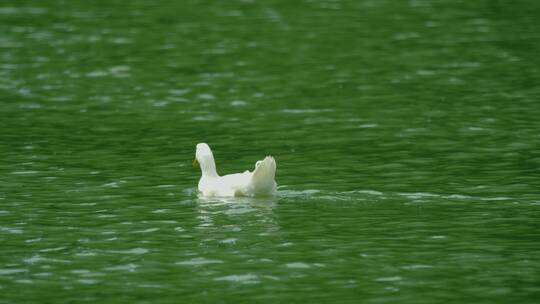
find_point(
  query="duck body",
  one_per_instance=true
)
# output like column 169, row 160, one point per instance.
column 259, row 182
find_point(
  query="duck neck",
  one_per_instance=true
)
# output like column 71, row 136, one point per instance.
column 208, row 167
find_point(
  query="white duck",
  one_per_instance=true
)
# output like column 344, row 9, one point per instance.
column 260, row 182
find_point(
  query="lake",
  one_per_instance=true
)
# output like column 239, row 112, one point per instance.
column 406, row 135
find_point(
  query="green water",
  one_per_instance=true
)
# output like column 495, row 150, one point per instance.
column 406, row 133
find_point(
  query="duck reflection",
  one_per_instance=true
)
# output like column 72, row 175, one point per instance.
column 229, row 220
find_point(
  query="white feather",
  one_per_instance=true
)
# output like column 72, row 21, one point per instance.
column 260, row 182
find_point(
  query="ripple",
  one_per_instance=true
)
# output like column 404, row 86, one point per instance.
column 22, row 10
column 298, row 265
column 293, row 193
column 406, row 36
column 34, row 259
column 161, row 211
column 206, row 96
column 121, row 40
column 165, row 186
column 204, row 117
column 88, row 281
column 229, row 241
column 388, row 279
column 97, row 73
column 11, row 230
column 30, row 105
column 367, row 126
column 119, row 70
column 457, row 196
column 370, row 192
column 149, row 230
column 179, row 92
column 199, row 262
column 304, row 111
column 114, row 184
column 24, row 172
column 238, row 211
column 238, row 103
column 86, row 253
column 417, row 195
column 54, row 249
column 240, row 278
column 6, row 271
column 500, row 198
column 417, row 266
column 127, row 267
column 438, row 237
column 137, row 250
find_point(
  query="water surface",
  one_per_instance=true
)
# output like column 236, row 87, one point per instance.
column 406, row 135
